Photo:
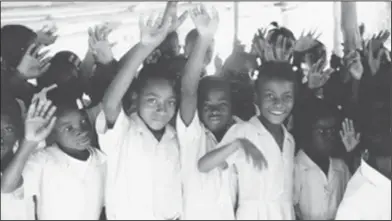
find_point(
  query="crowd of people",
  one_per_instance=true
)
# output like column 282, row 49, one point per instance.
column 277, row 132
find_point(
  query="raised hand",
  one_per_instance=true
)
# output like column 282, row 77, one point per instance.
column 218, row 63
column 353, row 64
column 99, row 44
column 306, row 41
column 171, row 12
column 374, row 62
column 253, row 155
column 283, row 49
column 206, row 23
column 349, row 137
column 154, row 29
column 42, row 95
column 317, row 76
column 40, row 120
column 47, row 35
column 33, row 63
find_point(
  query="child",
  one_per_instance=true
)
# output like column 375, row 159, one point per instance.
column 319, row 179
column 265, row 194
column 66, row 177
column 368, row 193
column 204, row 118
column 13, row 206
column 143, row 159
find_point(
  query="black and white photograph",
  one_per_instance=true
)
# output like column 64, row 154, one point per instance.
column 183, row 110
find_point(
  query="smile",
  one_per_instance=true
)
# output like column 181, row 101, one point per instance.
column 277, row 113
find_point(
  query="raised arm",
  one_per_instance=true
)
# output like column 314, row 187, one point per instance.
column 38, row 124
column 153, row 32
column 206, row 24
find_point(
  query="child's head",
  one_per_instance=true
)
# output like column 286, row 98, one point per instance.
column 190, row 42
column 275, row 91
column 15, row 39
column 72, row 130
column 65, row 72
column 215, row 102
column 11, row 125
column 319, row 124
column 157, row 93
column 170, row 46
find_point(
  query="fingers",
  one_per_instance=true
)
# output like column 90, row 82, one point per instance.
column 50, row 111
column 51, row 123
column 32, row 108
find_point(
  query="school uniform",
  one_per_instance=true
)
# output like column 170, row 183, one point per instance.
column 317, row 196
column 143, row 179
column 367, row 197
column 265, row 194
column 206, row 195
column 66, row 188
column 15, row 207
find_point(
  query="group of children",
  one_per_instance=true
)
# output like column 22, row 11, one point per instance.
column 154, row 136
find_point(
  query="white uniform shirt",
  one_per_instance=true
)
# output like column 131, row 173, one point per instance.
column 206, row 195
column 14, row 206
column 66, row 188
column 367, row 197
column 144, row 180
column 265, row 194
column 317, row 196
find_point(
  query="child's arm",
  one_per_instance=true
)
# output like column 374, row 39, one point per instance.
column 220, row 155
column 39, row 123
column 206, row 26
column 151, row 36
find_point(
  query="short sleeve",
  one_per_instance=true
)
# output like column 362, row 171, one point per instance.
column 188, row 134
column 32, row 173
column 111, row 138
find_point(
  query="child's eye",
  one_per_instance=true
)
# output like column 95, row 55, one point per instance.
column 68, row 129
column 288, row 98
column 269, row 96
column 152, row 101
column 172, row 103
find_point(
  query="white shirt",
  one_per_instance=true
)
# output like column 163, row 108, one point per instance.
column 144, row 180
column 317, row 196
column 265, row 194
column 206, row 195
column 367, row 197
column 16, row 207
column 66, row 188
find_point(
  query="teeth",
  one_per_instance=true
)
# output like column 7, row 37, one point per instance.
column 277, row 112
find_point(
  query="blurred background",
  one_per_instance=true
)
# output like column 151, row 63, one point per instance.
column 238, row 19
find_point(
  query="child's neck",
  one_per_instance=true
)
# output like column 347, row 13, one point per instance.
column 221, row 133
column 321, row 160
column 82, row 155
column 276, row 131
column 158, row 134
column 382, row 164
column 6, row 161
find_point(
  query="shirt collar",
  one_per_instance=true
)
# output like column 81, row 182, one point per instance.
column 254, row 121
column 374, row 177
column 306, row 162
column 141, row 127
column 96, row 157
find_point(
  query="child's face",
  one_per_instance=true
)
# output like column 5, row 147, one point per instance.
column 325, row 135
column 216, row 109
column 9, row 136
column 275, row 99
column 157, row 103
column 72, row 130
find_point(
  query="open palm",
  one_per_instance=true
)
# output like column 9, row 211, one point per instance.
column 349, row 137
column 40, row 120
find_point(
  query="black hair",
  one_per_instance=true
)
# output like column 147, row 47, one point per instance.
column 276, row 71
column 12, row 109
column 191, row 36
column 15, row 39
column 166, row 46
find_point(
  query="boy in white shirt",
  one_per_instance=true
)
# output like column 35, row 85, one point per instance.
column 13, row 205
column 320, row 180
column 143, row 157
column 67, row 177
column 265, row 194
column 203, row 120
column 368, row 193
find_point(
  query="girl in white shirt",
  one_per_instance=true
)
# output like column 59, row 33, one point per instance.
column 265, row 194
column 67, row 177
column 320, row 180
column 204, row 118
column 143, row 158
